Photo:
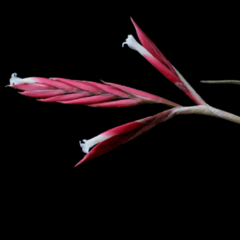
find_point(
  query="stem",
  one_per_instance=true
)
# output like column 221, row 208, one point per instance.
column 152, row 121
column 222, row 81
column 210, row 111
column 197, row 97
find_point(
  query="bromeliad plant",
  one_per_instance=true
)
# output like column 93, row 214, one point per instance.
column 106, row 94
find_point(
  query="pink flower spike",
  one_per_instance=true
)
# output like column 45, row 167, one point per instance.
column 151, row 47
column 133, row 44
column 105, row 146
column 108, row 140
column 114, row 137
column 84, row 92
column 157, row 59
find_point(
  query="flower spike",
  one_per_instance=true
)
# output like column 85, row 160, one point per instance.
column 151, row 47
column 114, row 137
column 88, row 93
column 150, row 52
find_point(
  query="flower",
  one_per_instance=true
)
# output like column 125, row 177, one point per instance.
column 150, row 52
column 16, row 80
column 89, row 93
column 133, row 44
column 108, row 140
column 114, row 137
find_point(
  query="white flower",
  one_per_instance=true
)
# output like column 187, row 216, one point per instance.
column 93, row 141
column 16, row 80
column 133, row 44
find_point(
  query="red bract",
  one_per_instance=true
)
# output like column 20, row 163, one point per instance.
column 114, row 137
column 84, row 92
column 150, row 46
column 158, row 60
column 141, row 94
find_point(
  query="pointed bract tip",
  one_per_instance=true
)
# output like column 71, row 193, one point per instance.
column 107, row 83
column 133, row 22
column 103, row 81
column 80, row 162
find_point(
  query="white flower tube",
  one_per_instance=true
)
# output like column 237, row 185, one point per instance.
column 133, row 44
column 91, row 142
column 16, row 80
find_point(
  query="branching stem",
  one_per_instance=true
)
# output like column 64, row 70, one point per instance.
column 208, row 110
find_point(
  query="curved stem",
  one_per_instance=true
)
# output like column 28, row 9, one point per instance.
column 208, row 110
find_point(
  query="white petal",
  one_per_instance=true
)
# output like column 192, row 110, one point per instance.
column 91, row 142
column 133, row 44
column 16, row 80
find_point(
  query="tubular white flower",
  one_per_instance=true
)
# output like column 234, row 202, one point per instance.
column 91, row 142
column 133, row 44
column 16, row 80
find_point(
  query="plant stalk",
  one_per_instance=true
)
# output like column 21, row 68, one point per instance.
column 222, row 81
column 209, row 111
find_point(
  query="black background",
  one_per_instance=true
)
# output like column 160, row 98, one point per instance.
column 190, row 160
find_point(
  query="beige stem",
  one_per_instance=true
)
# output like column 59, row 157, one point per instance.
column 208, row 110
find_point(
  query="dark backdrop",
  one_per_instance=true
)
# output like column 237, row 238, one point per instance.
column 189, row 158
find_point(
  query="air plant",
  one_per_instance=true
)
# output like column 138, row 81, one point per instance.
column 106, row 94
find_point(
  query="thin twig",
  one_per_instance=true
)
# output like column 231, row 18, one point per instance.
column 222, row 81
